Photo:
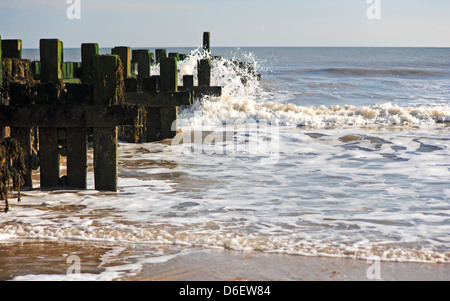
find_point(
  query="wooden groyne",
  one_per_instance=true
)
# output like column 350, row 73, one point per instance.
column 51, row 106
column 54, row 108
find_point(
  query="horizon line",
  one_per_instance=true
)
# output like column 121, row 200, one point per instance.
column 195, row 47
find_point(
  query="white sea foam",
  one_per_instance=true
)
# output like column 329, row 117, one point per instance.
column 244, row 98
column 349, row 181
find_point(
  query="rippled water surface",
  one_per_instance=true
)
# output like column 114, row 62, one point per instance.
column 341, row 152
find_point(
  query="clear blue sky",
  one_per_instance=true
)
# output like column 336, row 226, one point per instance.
column 177, row 23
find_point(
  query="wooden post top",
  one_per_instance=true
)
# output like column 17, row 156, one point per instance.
column 51, row 60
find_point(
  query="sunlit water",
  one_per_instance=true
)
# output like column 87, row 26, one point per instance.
column 341, row 152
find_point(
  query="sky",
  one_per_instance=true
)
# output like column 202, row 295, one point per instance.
column 237, row 23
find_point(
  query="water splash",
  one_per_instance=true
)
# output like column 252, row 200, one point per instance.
column 244, row 99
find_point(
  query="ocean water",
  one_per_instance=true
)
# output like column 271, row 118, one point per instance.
column 336, row 152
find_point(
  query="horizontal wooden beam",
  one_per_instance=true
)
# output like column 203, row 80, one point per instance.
column 203, row 90
column 65, row 116
column 159, row 100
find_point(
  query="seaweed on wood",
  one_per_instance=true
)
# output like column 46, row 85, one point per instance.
column 120, row 92
column 16, row 71
column 12, row 168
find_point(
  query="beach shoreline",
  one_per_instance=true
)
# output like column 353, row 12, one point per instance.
column 225, row 265
column 48, row 261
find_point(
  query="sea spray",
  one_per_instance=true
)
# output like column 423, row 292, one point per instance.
column 245, row 99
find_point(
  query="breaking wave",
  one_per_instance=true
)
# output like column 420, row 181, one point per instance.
column 244, row 99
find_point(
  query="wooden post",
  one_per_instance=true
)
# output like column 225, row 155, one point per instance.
column 125, row 56
column 131, row 84
column 143, row 59
column 77, row 69
column 62, row 51
column 152, row 126
column 105, row 139
column 51, row 73
column 188, row 81
column 19, row 95
column 1, row 74
column 12, row 49
column 169, row 83
column 51, row 60
column 152, row 83
column 49, row 157
column 68, row 70
column 160, row 53
column 204, row 72
column 76, row 142
column 174, row 54
column 169, row 74
column 207, row 41
column 2, row 129
column 76, row 157
column 88, row 50
column 169, row 122
column 78, row 94
column 23, row 136
column 36, row 69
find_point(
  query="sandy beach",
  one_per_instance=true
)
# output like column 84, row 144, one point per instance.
column 47, row 261
column 215, row 265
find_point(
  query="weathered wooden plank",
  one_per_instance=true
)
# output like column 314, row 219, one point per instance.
column 72, row 80
column 174, row 54
column 207, row 41
column 200, row 91
column 151, row 84
column 1, row 68
column 76, row 157
column 159, row 54
column 169, row 74
column 88, row 50
column 12, row 49
column 163, row 99
column 169, row 122
column 49, row 157
column 67, row 116
column 151, row 115
column 105, row 158
column 124, row 53
column 19, row 94
column 47, row 93
column 78, row 94
column 143, row 59
column 51, row 60
column 105, row 138
column 169, row 83
column 105, row 79
column 152, row 124
column 36, row 69
column 23, row 136
column 68, row 70
column 188, row 82
column 204, row 72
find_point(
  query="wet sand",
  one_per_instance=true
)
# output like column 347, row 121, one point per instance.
column 218, row 265
column 48, row 259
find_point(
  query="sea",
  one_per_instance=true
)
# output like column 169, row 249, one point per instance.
column 310, row 151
